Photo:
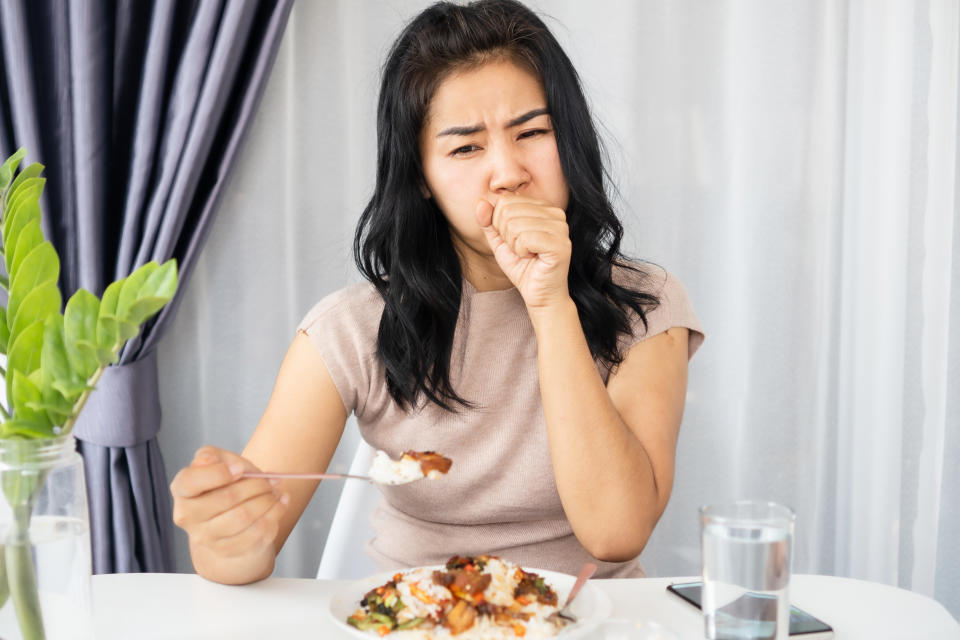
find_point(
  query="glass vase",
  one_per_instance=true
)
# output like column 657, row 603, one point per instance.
column 45, row 533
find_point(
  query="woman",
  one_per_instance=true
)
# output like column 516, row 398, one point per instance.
column 500, row 325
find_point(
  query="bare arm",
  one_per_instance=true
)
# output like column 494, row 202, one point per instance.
column 237, row 527
column 300, row 429
column 612, row 447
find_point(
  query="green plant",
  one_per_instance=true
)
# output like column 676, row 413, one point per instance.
column 54, row 359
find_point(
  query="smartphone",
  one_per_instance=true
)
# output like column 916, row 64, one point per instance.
column 802, row 624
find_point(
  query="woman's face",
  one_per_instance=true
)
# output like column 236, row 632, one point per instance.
column 488, row 133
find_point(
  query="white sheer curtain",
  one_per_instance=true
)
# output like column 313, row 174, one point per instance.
column 793, row 162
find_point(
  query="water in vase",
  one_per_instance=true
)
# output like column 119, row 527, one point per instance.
column 61, row 553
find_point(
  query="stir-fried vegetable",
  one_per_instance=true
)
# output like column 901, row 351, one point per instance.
column 456, row 598
column 381, row 608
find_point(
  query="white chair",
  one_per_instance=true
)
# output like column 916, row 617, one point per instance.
column 343, row 556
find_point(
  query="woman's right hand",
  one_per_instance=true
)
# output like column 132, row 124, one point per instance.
column 232, row 522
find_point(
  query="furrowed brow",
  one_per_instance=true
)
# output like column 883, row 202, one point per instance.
column 469, row 130
column 529, row 115
column 462, row 131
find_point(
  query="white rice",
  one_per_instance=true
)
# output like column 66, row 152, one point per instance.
column 505, row 576
column 385, row 470
column 415, row 607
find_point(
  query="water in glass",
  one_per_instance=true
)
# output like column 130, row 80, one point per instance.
column 55, row 540
column 61, row 551
column 746, row 575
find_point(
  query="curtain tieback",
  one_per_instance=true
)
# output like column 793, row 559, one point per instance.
column 124, row 410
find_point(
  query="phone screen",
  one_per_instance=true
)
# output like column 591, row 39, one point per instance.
column 801, row 622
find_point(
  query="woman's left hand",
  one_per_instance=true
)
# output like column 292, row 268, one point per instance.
column 530, row 241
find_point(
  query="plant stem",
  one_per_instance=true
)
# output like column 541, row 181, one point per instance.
column 4, row 585
column 22, row 577
column 3, row 410
column 82, row 400
column 21, row 488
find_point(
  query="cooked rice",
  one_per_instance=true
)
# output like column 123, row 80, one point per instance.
column 417, row 585
column 418, row 606
column 385, row 470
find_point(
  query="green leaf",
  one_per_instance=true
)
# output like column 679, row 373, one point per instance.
column 58, row 407
column 141, row 310
column 113, row 333
column 71, row 390
column 27, row 197
column 5, row 177
column 38, row 305
column 29, row 189
column 111, row 295
column 29, row 239
column 39, row 267
column 13, row 161
column 104, row 356
column 25, row 428
column 126, row 330
column 4, row 331
column 9, row 167
column 80, row 332
column 32, row 171
column 108, row 332
column 156, row 291
column 25, row 393
column 162, row 283
column 13, row 225
column 54, row 413
column 132, row 287
column 24, row 354
column 54, row 362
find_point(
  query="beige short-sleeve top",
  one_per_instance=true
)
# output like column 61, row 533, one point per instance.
column 500, row 496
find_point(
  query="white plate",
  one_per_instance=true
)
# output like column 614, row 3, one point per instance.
column 591, row 607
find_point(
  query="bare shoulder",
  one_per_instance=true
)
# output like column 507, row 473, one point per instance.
column 358, row 306
column 660, row 357
column 668, row 308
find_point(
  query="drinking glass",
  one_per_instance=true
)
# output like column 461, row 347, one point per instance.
column 746, row 550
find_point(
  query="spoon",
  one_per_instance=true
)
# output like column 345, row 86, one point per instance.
column 324, row 476
column 588, row 570
column 412, row 466
column 305, row 476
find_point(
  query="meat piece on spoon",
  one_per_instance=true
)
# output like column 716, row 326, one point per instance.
column 412, row 465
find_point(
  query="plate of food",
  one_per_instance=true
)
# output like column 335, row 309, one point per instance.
column 469, row 598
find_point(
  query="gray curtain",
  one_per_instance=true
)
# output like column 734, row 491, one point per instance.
column 137, row 109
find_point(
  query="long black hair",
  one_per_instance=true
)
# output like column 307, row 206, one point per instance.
column 403, row 244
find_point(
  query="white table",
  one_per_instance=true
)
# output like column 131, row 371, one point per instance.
column 184, row 606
